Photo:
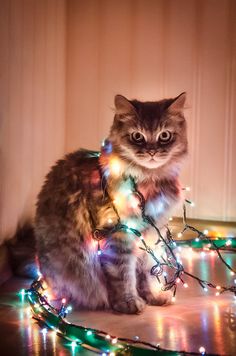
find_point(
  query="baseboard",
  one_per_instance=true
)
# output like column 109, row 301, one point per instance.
column 216, row 229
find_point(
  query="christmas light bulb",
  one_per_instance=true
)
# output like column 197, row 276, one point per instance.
column 109, row 221
column 185, row 285
column 197, row 239
column 232, row 273
column 202, row 350
column 73, row 344
column 228, row 242
column 205, row 232
column 179, row 234
column 108, row 337
column 217, row 294
column 89, row 332
column 218, row 287
column 63, row 300
column 205, row 289
column 22, row 292
column 114, row 341
column 115, row 166
column 173, row 299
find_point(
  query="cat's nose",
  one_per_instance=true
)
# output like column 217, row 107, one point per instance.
column 152, row 152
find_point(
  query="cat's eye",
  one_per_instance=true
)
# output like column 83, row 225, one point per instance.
column 165, row 137
column 137, row 137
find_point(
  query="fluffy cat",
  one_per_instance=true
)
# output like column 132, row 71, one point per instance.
column 87, row 191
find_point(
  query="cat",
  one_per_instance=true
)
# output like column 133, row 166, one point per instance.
column 88, row 192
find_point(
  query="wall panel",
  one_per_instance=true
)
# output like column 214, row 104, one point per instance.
column 32, row 102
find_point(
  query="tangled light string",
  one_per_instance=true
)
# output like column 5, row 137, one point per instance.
column 99, row 341
column 170, row 260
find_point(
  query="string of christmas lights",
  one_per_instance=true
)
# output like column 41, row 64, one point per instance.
column 97, row 341
column 171, row 261
column 168, row 270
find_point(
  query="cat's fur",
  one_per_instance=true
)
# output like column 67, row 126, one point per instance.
column 72, row 203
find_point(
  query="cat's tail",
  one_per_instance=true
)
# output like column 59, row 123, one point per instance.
column 22, row 252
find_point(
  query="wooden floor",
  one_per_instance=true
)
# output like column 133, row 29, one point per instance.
column 197, row 318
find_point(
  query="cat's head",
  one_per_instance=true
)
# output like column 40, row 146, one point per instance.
column 149, row 135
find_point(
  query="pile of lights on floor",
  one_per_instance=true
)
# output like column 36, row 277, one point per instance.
column 97, row 341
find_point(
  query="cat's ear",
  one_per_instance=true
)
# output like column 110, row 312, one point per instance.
column 177, row 104
column 123, row 106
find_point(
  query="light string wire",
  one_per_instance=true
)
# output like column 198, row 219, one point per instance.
column 99, row 341
column 172, row 262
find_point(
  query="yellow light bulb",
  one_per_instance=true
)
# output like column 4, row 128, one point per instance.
column 115, row 166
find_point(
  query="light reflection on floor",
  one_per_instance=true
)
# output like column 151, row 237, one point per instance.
column 197, row 318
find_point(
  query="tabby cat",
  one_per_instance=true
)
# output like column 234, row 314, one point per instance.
column 87, row 192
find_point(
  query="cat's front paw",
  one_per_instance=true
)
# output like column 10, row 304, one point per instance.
column 132, row 305
column 161, row 298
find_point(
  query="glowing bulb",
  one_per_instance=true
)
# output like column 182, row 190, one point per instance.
column 170, row 219
column 73, row 344
column 235, row 281
column 197, row 239
column 108, row 337
column 114, row 341
column 202, row 350
column 22, row 292
column 179, row 234
column 205, row 232
column 69, row 308
column 212, row 253
column 192, row 204
column 217, row 294
column 185, row 285
column 89, row 332
column 228, row 242
column 205, row 289
column 115, row 166
column 112, row 354
column 203, row 254
column 177, row 280
column 44, row 331
column 99, row 252
column 173, row 299
column 63, row 300
column 232, row 273
column 109, row 221
column 188, row 189
column 218, row 287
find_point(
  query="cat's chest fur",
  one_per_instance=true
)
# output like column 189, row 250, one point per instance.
column 159, row 199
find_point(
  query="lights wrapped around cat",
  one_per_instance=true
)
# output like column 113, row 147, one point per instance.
column 99, row 341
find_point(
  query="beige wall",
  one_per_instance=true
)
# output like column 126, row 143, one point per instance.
column 62, row 62
column 150, row 49
column 32, row 107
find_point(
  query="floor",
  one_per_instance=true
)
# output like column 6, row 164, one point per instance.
column 197, row 318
